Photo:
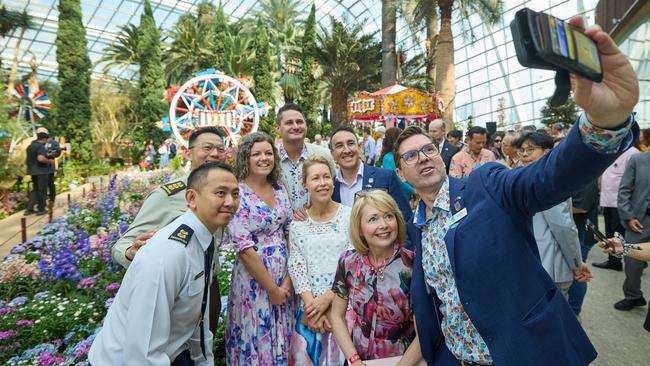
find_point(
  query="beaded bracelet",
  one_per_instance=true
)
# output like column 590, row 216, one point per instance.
column 626, row 246
column 354, row 358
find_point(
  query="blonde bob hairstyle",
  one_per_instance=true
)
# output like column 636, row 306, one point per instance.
column 381, row 201
column 311, row 161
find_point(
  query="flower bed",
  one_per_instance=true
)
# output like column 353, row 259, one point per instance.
column 56, row 288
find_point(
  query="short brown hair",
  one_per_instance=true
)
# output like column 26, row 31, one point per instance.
column 314, row 160
column 410, row 131
column 382, row 201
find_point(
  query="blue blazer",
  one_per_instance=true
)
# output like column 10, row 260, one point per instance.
column 512, row 301
column 380, row 178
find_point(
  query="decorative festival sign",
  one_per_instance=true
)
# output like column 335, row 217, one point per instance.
column 396, row 105
column 214, row 99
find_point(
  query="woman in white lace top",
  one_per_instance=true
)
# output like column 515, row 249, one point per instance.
column 315, row 246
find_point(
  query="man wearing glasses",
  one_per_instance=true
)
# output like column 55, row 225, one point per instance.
column 480, row 293
column 166, row 203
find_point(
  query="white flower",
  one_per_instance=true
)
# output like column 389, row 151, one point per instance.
column 59, row 314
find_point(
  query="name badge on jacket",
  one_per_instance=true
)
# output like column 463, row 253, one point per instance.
column 457, row 217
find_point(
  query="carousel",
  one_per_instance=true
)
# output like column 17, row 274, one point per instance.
column 212, row 98
column 394, row 106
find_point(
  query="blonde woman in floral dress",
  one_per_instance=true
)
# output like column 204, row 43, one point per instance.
column 315, row 246
column 260, row 305
column 373, row 282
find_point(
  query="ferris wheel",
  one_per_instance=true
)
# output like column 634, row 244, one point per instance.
column 214, row 99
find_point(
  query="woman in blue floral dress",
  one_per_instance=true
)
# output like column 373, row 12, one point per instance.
column 260, row 305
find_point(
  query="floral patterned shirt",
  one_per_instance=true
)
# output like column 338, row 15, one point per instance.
column 380, row 301
column 461, row 337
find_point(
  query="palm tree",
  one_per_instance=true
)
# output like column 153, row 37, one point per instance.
column 188, row 53
column 423, row 14
column 240, row 60
column 11, row 21
column 413, row 71
column 348, row 60
column 281, row 18
column 388, row 39
column 124, row 51
column 489, row 11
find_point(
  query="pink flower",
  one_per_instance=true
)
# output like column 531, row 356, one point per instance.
column 25, row 323
column 8, row 334
column 112, row 286
column 7, row 310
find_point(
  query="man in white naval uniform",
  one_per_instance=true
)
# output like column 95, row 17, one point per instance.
column 157, row 316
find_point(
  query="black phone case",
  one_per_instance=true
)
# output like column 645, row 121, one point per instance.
column 533, row 45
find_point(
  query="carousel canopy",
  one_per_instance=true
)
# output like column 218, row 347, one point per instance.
column 394, row 105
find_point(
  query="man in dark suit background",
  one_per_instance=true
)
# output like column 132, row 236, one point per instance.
column 634, row 212
column 437, row 130
column 353, row 175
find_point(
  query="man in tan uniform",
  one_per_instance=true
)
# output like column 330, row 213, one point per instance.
column 166, row 203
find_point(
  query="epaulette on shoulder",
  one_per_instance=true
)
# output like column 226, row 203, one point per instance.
column 182, row 235
column 173, row 187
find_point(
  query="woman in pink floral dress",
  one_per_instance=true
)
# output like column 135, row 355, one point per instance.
column 260, row 305
column 373, row 281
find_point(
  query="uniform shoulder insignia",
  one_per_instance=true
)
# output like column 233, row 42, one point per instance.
column 183, row 234
column 173, row 187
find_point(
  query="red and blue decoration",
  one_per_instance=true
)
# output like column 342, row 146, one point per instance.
column 33, row 104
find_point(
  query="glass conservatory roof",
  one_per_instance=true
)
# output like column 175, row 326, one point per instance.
column 103, row 19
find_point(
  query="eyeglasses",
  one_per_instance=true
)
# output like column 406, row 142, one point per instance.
column 208, row 148
column 497, row 140
column 528, row 150
column 365, row 192
column 413, row 156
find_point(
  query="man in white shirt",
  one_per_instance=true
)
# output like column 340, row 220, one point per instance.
column 293, row 151
column 158, row 314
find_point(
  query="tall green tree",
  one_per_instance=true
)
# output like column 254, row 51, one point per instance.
column 283, row 24
column 263, row 78
column 489, row 11
column 151, row 86
column 566, row 114
column 220, row 47
column 124, row 51
column 348, row 59
column 73, row 109
column 308, row 86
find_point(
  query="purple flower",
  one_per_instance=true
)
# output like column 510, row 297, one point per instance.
column 8, row 334
column 24, row 323
column 112, row 286
column 109, row 302
column 88, row 282
column 7, row 310
column 49, row 359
